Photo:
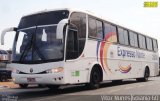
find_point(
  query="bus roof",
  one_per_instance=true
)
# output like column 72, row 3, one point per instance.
column 89, row 13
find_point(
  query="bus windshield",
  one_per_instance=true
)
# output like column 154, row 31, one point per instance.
column 36, row 40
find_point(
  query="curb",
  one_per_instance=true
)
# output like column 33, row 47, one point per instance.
column 1, row 87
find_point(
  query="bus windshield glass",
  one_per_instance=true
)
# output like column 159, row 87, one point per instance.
column 36, row 41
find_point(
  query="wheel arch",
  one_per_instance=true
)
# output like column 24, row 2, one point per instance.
column 147, row 67
column 95, row 65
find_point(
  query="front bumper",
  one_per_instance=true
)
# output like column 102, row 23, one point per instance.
column 50, row 78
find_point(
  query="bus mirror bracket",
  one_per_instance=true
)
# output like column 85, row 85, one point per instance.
column 5, row 31
column 60, row 27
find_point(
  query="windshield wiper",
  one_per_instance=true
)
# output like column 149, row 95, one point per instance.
column 39, row 53
column 24, row 53
column 27, row 49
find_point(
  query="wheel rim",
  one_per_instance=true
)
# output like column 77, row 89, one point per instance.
column 96, row 78
column 3, row 78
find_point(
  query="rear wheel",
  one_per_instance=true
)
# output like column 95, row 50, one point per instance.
column 23, row 85
column 3, row 78
column 95, row 79
column 146, row 76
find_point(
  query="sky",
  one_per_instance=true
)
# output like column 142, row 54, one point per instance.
column 128, row 13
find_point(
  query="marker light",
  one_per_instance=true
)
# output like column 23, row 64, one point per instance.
column 55, row 70
column 15, row 71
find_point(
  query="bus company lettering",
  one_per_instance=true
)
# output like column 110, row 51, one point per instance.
column 140, row 54
column 129, row 53
column 126, row 53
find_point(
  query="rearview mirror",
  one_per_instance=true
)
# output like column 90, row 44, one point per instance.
column 5, row 31
column 60, row 28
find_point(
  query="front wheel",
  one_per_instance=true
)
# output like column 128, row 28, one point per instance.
column 95, row 79
column 3, row 78
column 23, row 85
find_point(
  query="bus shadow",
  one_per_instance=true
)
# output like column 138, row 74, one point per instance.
column 35, row 92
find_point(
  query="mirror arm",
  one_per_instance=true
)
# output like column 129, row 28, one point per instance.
column 60, row 27
column 5, row 31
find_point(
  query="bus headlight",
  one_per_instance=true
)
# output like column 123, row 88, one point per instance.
column 15, row 71
column 13, row 79
column 55, row 70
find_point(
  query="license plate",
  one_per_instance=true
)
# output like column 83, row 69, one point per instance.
column 32, row 80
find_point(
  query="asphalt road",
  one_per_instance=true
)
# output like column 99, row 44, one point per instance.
column 80, row 93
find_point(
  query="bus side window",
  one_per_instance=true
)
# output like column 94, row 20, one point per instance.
column 107, row 30
column 142, row 42
column 149, row 43
column 155, row 46
column 133, row 37
column 72, row 44
column 95, row 29
column 99, row 29
column 121, row 36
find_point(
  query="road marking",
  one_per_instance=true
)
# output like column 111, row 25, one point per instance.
column 156, row 82
column 74, row 98
column 150, row 84
column 62, row 97
column 114, row 90
column 129, row 87
column 2, row 87
column 140, row 85
column 46, row 99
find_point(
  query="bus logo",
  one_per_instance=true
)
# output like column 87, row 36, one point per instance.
column 125, row 69
column 31, row 70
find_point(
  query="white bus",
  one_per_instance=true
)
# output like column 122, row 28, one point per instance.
column 67, row 46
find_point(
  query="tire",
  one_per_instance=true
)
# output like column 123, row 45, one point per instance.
column 53, row 87
column 3, row 78
column 23, row 85
column 95, row 79
column 146, row 76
